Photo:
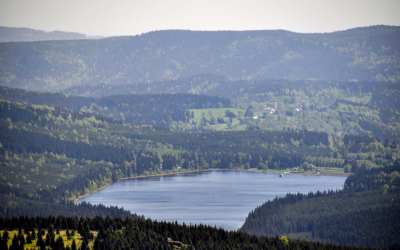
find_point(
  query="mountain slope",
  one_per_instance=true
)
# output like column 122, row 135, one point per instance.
column 11, row 34
column 370, row 53
column 337, row 107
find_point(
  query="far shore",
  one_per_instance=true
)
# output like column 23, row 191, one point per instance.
column 169, row 173
column 319, row 171
column 144, row 176
column 283, row 172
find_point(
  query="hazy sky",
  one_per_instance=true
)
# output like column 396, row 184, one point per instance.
column 124, row 17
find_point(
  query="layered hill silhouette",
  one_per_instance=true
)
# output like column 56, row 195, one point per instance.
column 12, row 34
column 369, row 53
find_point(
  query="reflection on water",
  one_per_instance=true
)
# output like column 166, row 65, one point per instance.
column 221, row 198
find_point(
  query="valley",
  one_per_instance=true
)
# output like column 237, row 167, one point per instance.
column 123, row 136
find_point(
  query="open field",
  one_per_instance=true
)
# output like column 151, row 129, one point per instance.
column 32, row 244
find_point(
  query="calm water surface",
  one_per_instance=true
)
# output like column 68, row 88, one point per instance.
column 221, row 198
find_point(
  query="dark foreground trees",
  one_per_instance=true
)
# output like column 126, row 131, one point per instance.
column 139, row 233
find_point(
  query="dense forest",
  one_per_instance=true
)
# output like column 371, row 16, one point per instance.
column 184, row 101
column 71, row 151
column 365, row 213
column 367, row 53
column 349, row 86
column 132, row 233
column 152, row 109
column 337, row 108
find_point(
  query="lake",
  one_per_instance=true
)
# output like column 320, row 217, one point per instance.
column 220, row 198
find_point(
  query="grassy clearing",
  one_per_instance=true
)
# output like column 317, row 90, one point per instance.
column 62, row 233
column 217, row 118
column 332, row 171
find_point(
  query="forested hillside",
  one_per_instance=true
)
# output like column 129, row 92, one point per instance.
column 132, row 233
column 338, row 108
column 161, row 110
column 365, row 213
column 78, row 115
column 52, row 154
column 369, row 53
column 341, row 83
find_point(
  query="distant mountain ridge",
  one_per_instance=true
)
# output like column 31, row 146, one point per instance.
column 13, row 34
column 369, row 53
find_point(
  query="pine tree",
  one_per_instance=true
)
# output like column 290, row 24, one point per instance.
column 3, row 244
column 47, row 241
column 14, row 243
column 73, row 246
column 29, row 238
column 59, row 243
column 84, row 245
column 5, row 235
column 52, row 240
column 21, row 239
column 33, row 235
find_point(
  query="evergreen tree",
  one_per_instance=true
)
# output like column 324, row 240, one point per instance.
column 59, row 244
column 73, row 245
column 33, row 235
column 48, row 240
column 15, row 243
column 4, row 240
column 40, row 242
column 21, row 239
column 84, row 245
column 29, row 238
column 5, row 235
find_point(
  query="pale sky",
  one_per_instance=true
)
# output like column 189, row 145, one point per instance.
column 124, row 17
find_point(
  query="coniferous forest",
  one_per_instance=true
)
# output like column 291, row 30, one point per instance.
column 73, row 121
column 365, row 212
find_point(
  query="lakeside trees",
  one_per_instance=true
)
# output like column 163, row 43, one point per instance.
column 51, row 154
column 365, row 213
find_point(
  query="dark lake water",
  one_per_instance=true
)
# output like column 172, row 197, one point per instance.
column 221, row 198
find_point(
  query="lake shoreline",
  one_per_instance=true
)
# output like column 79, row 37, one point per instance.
column 77, row 199
column 215, row 197
column 183, row 172
column 321, row 172
column 166, row 174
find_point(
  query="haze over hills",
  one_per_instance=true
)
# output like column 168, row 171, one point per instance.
column 12, row 34
column 78, row 115
column 368, row 53
column 341, row 83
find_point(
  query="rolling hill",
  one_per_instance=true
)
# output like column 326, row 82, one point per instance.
column 11, row 34
column 369, row 53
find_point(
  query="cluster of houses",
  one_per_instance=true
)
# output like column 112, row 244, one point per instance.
column 272, row 110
